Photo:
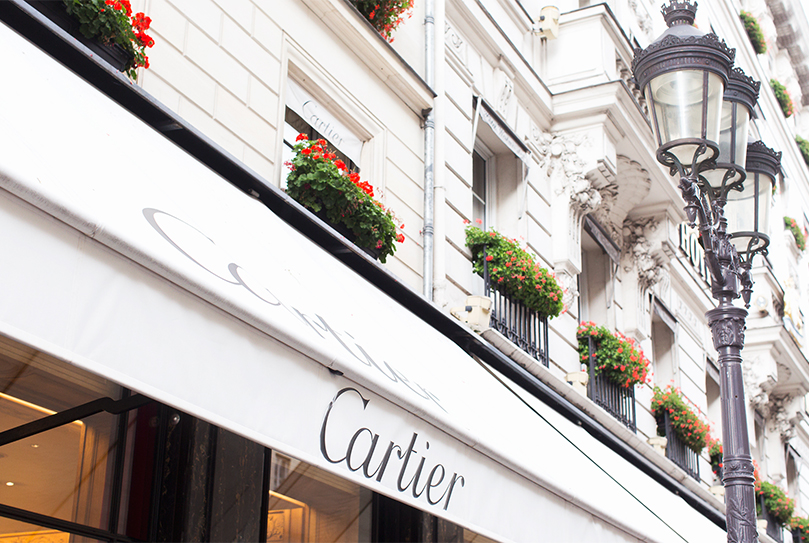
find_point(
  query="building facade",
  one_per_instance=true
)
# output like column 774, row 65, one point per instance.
column 188, row 354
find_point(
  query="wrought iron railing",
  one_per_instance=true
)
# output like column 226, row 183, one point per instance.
column 527, row 329
column 616, row 400
column 678, row 452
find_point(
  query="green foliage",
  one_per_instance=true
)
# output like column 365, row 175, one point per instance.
column 754, row 33
column 513, row 272
column 799, row 235
column 321, row 182
column 783, row 97
column 801, row 524
column 776, row 501
column 112, row 22
column 715, row 454
column 384, row 15
column 691, row 429
column 617, row 356
column 803, row 145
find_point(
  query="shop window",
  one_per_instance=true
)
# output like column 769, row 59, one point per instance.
column 130, row 468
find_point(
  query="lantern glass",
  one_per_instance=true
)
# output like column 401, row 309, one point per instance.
column 748, row 212
column 732, row 145
column 686, row 108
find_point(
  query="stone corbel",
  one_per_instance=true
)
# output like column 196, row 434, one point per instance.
column 644, row 269
column 573, row 195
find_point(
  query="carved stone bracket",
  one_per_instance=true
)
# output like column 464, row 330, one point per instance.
column 640, row 253
column 781, row 415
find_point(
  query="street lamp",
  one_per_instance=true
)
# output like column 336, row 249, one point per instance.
column 700, row 111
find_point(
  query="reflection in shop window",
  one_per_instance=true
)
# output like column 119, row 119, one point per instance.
column 63, row 472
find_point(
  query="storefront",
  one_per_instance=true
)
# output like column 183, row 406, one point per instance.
column 285, row 398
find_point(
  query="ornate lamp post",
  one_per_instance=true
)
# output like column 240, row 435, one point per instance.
column 700, row 111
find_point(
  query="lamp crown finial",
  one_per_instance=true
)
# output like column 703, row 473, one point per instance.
column 679, row 13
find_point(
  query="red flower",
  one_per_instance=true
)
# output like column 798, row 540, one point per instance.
column 340, row 164
column 489, row 258
column 306, row 151
column 302, row 137
column 400, row 238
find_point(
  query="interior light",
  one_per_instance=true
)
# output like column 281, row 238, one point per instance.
column 9, row 483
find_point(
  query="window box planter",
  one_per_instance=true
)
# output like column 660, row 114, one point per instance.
column 774, row 507
column 56, row 12
column 783, row 97
column 798, row 235
column 321, row 182
column 754, row 33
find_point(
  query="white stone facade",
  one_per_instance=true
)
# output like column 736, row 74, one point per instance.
column 224, row 65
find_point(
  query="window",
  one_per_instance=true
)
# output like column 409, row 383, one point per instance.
column 307, row 114
column 479, row 189
column 664, row 328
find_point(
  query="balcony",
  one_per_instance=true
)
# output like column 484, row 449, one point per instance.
column 616, row 400
column 524, row 328
column 678, row 452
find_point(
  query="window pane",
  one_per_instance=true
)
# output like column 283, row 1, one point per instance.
column 478, row 189
column 64, row 472
column 309, row 504
column 12, row 531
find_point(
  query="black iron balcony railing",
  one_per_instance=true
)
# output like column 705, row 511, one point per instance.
column 774, row 527
column 678, row 452
column 616, row 400
column 527, row 329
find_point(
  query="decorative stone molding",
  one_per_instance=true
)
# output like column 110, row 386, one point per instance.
column 781, row 415
column 559, row 158
column 758, row 381
column 626, row 75
column 454, row 42
column 643, row 18
column 574, row 196
column 643, row 253
column 640, row 253
column 569, row 284
column 630, row 186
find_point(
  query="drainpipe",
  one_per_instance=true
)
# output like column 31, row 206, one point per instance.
column 429, row 151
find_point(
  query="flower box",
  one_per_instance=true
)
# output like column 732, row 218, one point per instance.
column 56, row 12
column 512, row 271
column 107, row 27
column 321, row 182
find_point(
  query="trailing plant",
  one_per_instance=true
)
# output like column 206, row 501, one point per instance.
column 783, row 97
column 754, row 33
column 321, row 182
column 617, row 356
column 776, row 501
column 803, row 145
column 513, row 271
column 385, row 15
column 801, row 525
column 799, row 235
column 112, row 22
column 688, row 426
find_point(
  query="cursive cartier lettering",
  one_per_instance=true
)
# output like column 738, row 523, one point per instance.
column 316, row 324
column 357, row 448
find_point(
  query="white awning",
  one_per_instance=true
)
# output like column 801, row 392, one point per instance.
column 127, row 257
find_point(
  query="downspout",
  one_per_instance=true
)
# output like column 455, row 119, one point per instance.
column 429, row 151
